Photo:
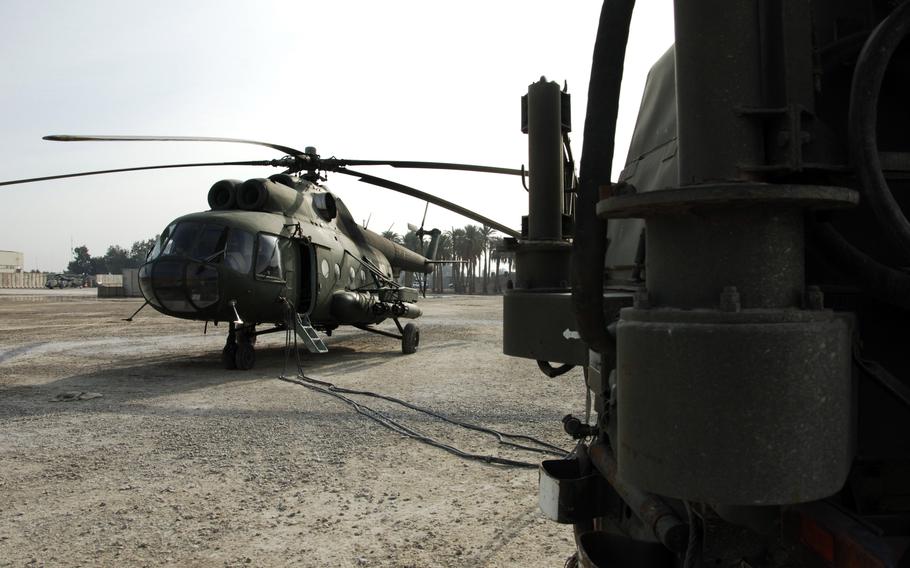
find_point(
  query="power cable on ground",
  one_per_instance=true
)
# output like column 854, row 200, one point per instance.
column 386, row 421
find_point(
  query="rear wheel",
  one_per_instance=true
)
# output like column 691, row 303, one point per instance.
column 410, row 339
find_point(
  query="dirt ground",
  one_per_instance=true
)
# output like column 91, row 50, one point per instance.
column 181, row 462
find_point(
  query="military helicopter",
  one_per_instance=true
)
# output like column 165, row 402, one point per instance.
column 285, row 252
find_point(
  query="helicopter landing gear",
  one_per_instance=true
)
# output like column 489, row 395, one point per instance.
column 409, row 335
column 245, row 357
column 238, row 352
column 410, row 339
column 228, row 355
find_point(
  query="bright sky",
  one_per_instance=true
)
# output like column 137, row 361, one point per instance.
column 398, row 80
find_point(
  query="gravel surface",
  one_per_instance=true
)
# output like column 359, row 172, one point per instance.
column 180, row 462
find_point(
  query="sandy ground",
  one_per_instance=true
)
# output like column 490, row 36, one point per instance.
column 183, row 463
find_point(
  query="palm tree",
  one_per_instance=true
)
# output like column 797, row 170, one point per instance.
column 473, row 249
column 496, row 254
column 443, row 252
column 486, row 233
column 457, row 239
column 392, row 236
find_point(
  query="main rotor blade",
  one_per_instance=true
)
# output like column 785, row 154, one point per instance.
column 340, row 162
column 97, row 172
column 105, row 138
column 366, row 178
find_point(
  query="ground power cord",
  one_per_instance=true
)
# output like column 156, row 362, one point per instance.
column 327, row 388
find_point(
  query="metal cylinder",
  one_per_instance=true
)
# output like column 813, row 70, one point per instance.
column 714, row 84
column 693, row 258
column 738, row 408
column 545, row 161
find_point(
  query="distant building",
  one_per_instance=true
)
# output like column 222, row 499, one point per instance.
column 11, row 261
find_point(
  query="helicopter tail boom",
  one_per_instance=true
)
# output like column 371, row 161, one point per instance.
column 400, row 258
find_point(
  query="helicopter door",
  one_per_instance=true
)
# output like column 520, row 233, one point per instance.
column 306, row 282
column 297, row 263
column 289, row 263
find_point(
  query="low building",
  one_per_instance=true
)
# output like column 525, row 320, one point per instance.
column 11, row 261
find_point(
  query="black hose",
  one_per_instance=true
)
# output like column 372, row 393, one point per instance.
column 589, row 247
column 383, row 419
column 693, row 547
column 880, row 281
column 549, row 370
column 863, row 116
column 400, row 428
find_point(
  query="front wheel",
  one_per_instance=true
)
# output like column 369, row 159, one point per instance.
column 410, row 339
column 246, row 356
column 229, row 356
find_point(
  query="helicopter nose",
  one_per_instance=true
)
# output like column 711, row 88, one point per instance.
column 179, row 285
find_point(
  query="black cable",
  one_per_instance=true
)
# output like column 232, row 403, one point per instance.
column 590, row 243
column 692, row 550
column 880, row 281
column 870, row 70
column 549, row 370
column 500, row 436
column 330, row 389
column 395, row 426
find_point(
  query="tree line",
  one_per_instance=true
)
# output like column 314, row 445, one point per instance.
column 478, row 250
column 114, row 260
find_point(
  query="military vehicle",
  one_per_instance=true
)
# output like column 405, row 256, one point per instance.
column 738, row 298
column 55, row 280
column 285, row 252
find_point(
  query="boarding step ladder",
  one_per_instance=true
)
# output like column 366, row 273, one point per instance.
column 309, row 336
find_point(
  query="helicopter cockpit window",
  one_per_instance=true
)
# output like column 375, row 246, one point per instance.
column 183, row 239
column 211, row 242
column 268, row 257
column 238, row 252
column 161, row 242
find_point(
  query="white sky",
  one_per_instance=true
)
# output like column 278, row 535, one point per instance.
column 403, row 80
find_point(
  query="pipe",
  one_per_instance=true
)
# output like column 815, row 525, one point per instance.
column 545, row 195
column 880, row 281
column 589, row 247
column 654, row 513
column 862, row 121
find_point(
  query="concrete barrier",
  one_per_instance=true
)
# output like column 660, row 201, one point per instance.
column 131, row 282
column 108, row 280
column 22, row 279
column 111, row 292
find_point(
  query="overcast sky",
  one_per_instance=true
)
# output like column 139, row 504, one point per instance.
column 402, row 80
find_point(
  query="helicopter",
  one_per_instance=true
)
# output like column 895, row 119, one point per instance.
column 284, row 252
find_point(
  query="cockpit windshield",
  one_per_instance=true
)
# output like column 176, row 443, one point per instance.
column 162, row 241
column 206, row 242
column 238, row 253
